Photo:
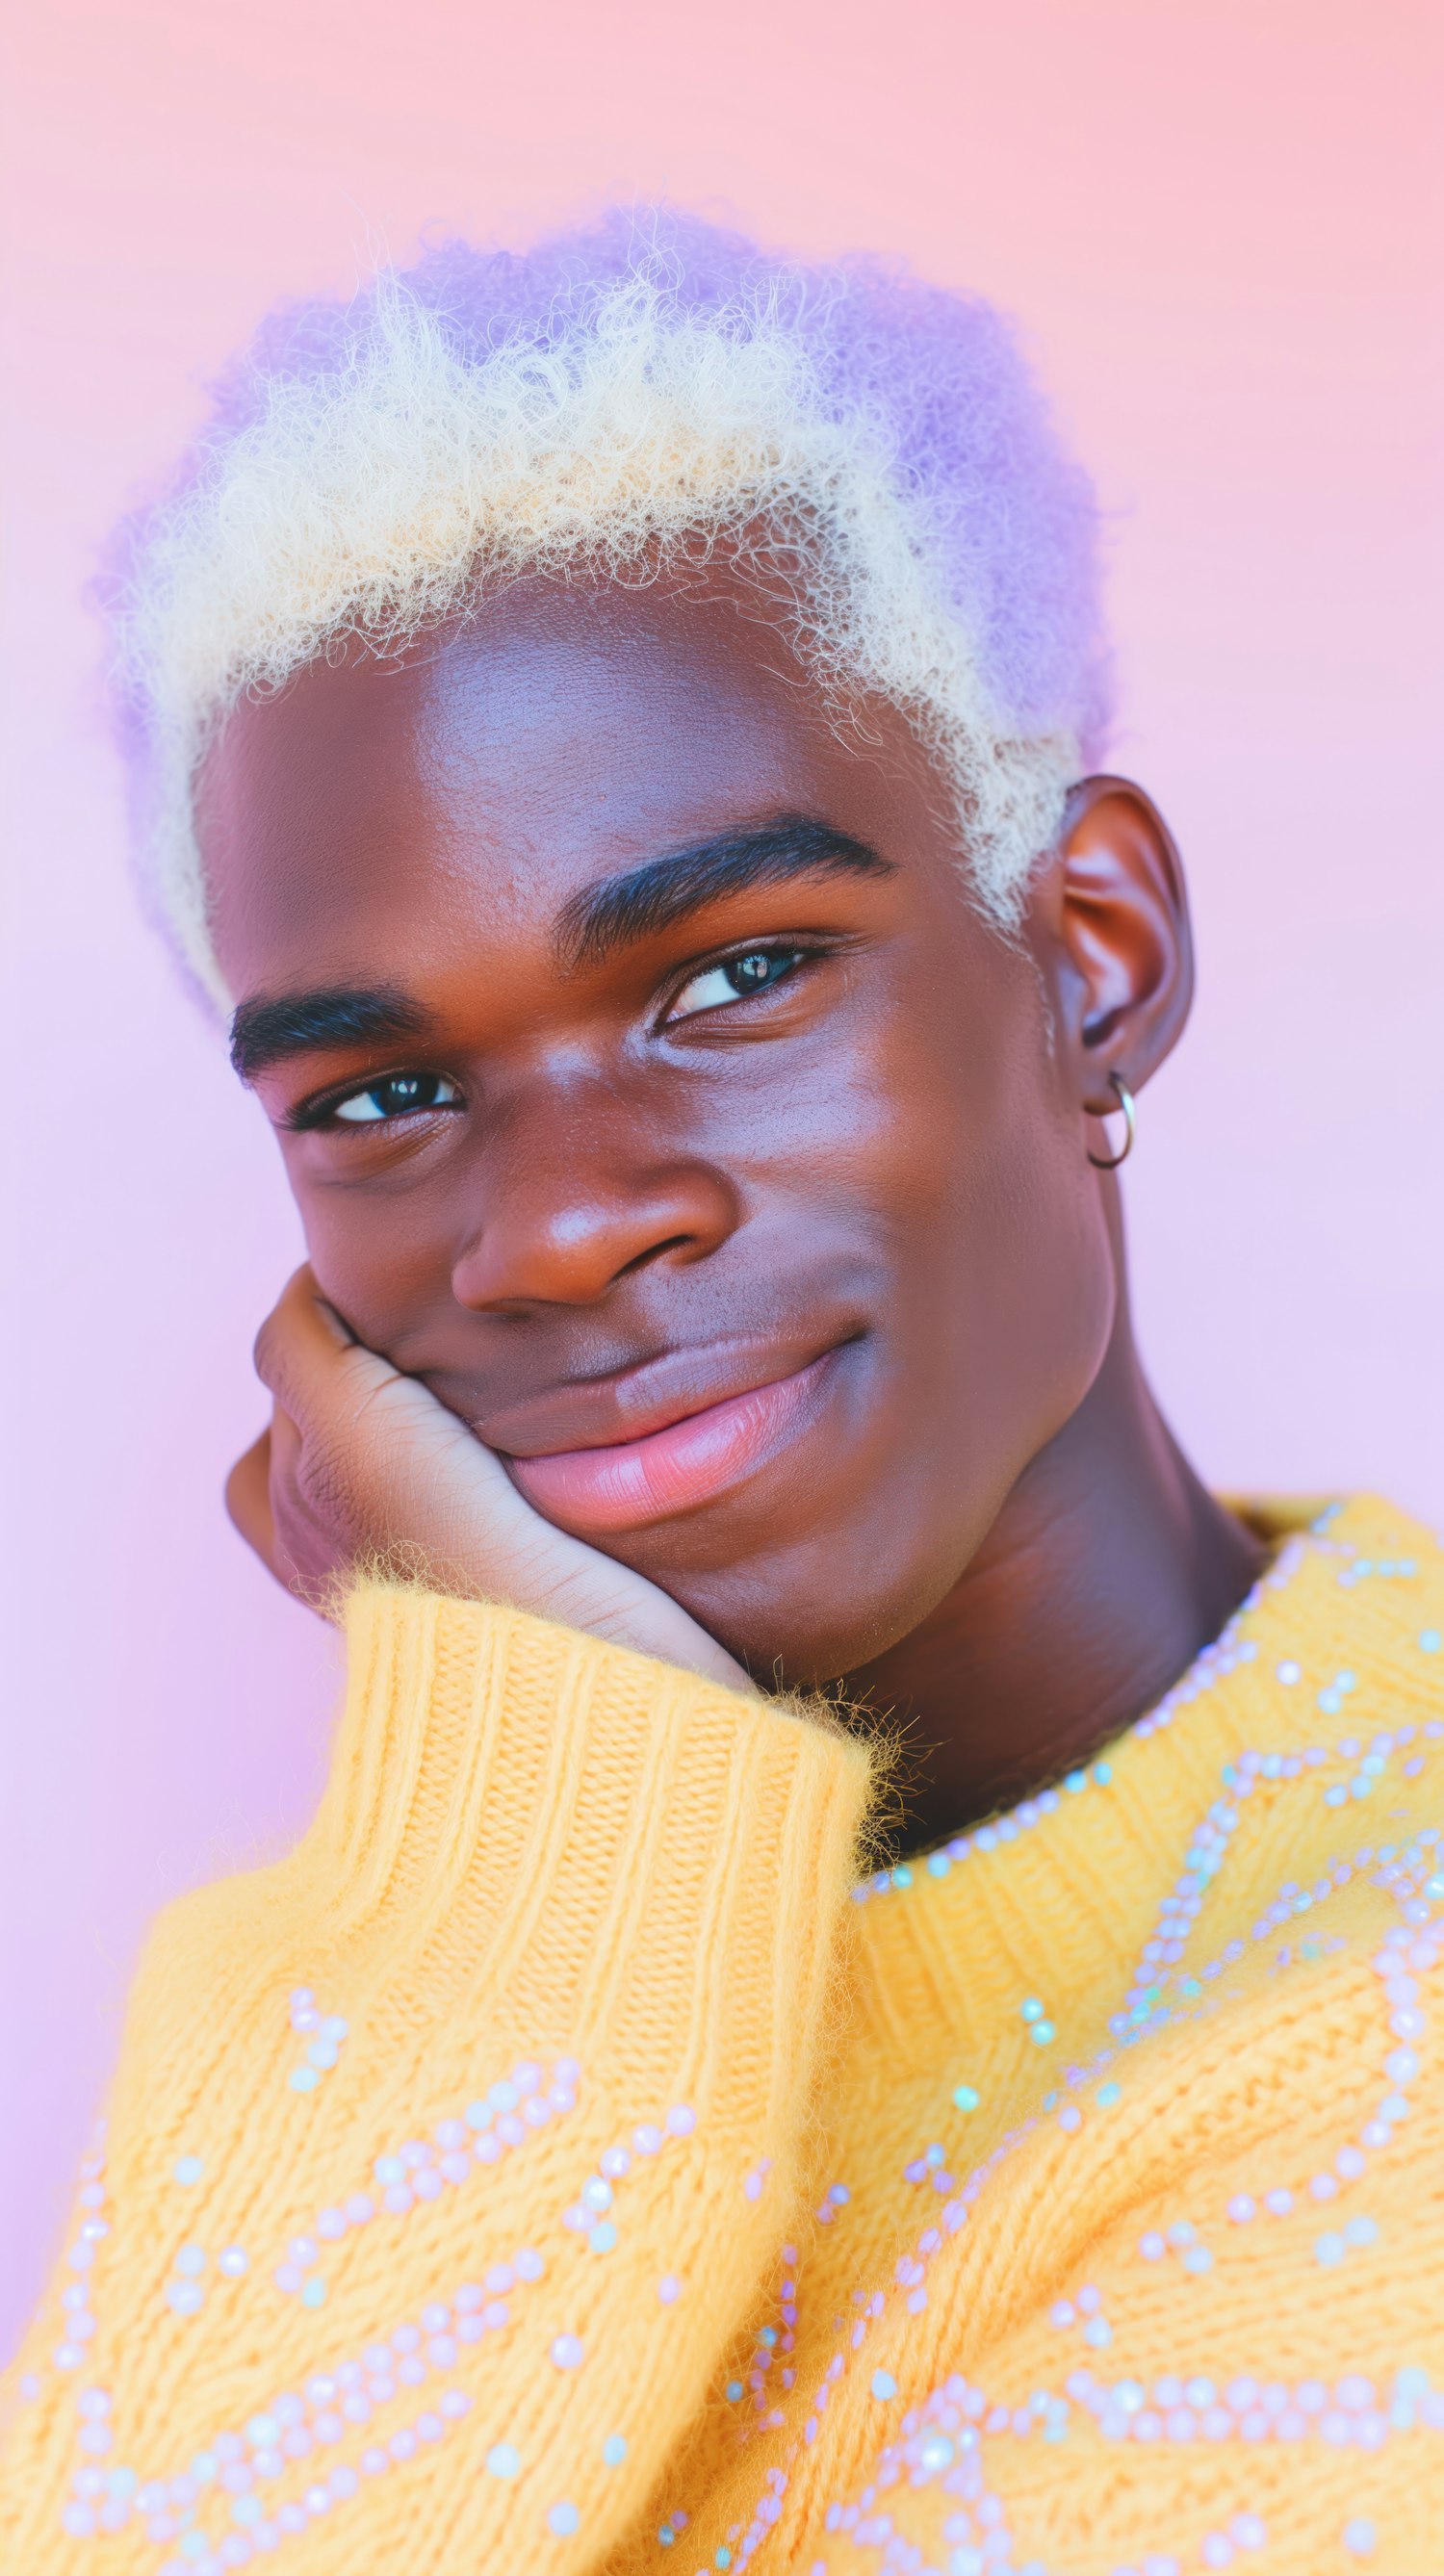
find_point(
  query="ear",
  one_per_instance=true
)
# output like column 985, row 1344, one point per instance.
column 1110, row 919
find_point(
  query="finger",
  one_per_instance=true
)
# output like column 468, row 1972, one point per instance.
column 303, row 1347
column 248, row 1500
column 393, row 1471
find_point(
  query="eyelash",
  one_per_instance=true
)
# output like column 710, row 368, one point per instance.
column 786, row 953
column 327, row 1113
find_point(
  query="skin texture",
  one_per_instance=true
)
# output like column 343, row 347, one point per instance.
column 867, row 1178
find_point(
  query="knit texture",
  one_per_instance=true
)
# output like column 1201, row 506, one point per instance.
column 548, row 2166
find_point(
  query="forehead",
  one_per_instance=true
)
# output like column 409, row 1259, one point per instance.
column 560, row 734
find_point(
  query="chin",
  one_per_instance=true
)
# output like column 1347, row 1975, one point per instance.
column 798, row 1615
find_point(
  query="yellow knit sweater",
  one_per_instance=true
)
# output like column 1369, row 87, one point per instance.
column 551, row 2167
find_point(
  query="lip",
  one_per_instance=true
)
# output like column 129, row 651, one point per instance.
column 624, row 1397
column 682, row 1464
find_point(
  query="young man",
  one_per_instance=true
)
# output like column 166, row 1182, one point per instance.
column 616, row 728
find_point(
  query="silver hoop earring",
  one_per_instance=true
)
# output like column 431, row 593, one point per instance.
column 1110, row 1162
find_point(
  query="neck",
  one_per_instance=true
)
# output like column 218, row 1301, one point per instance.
column 1107, row 1571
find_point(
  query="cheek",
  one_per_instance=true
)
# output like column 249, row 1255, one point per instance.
column 380, row 1262
column 1026, row 1306
column 965, row 1185
column 1003, row 1285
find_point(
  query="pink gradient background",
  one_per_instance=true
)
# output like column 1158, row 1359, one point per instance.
column 1216, row 224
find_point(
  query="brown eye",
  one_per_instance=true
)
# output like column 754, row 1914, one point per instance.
column 395, row 1096
column 735, row 980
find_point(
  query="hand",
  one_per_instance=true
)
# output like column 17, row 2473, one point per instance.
column 361, row 1465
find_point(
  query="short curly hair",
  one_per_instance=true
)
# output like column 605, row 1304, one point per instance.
column 622, row 400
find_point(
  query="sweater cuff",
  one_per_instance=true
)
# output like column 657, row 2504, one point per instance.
column 616, row 1846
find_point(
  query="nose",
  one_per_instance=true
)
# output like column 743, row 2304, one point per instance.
column 570, row 1212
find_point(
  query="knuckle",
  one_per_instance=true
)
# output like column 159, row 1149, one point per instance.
column 266, row 1354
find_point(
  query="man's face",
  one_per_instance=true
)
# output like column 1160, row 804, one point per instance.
column 740, row 1206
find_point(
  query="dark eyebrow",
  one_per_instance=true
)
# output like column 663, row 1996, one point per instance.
column 265, row 1032
column 617, row 911
column 611, row 914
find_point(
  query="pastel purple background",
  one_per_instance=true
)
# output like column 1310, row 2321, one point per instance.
column 1220, row 228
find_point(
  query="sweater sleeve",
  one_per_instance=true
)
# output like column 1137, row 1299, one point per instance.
column 447, row 2156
